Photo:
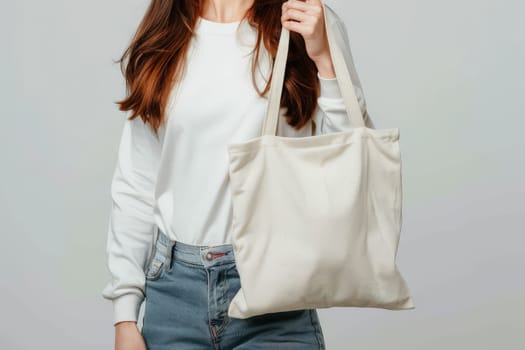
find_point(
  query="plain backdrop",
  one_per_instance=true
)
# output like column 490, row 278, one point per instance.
column 448, row 73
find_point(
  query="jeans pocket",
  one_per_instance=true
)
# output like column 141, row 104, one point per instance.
column 157, row 260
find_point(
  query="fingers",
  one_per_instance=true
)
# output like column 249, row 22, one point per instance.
column 295, row 15
column 299, row 5
column 299, row 11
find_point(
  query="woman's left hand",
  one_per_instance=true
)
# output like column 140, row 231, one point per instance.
column 307, row 18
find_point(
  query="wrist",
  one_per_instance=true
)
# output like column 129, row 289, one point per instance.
column 325, row 66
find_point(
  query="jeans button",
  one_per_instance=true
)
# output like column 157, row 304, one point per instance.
column 209, row 256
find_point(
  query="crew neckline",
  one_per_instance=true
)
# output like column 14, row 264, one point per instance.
column 212, row 27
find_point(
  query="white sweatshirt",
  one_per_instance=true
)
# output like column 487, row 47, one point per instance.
column 180, row 181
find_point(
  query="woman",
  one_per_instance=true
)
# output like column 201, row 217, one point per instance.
column 197, row 74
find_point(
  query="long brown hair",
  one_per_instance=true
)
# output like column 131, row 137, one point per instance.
column 155, row 59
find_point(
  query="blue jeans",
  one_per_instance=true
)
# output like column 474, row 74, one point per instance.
column 188, row 291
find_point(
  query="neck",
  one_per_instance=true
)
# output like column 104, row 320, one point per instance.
column 225, row 10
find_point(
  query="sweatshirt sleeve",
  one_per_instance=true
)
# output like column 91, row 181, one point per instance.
column 131, row 225
column 331, row 115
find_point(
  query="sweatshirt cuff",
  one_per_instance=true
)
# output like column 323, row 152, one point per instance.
column 126, row 308
column 329, row 87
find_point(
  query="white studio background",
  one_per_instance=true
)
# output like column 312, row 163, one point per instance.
column 449, row 74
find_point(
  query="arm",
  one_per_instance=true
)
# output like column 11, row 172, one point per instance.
column 331, row 115
column 130, row 228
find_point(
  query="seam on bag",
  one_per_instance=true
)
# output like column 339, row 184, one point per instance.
column 295, row 143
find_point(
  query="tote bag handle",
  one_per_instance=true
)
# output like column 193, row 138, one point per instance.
column 341, row 71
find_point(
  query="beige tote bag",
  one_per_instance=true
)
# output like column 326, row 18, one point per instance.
column 317, row 219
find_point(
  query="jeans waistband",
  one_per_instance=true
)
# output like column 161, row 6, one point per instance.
column 201, row 255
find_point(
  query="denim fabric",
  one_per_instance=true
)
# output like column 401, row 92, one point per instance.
column 188, row 291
